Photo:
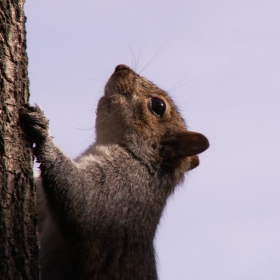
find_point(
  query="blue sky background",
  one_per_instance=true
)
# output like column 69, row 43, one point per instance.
column 223, row 59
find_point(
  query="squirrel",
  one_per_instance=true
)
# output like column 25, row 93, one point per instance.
column 100, row 211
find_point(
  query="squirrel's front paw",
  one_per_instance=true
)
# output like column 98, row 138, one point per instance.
column 34, row 123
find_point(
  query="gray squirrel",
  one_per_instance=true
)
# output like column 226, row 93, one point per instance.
column 100, row 211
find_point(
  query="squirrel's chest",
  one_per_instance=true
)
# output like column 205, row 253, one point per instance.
column 128, row 205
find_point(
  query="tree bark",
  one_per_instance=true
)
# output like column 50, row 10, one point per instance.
column 18, row 238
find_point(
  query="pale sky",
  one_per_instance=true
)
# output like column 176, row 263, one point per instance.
column 222, row 59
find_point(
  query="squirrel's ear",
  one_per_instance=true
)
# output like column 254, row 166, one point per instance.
column 185, row 145
column 190, row 144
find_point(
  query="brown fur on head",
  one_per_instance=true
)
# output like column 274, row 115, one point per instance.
column 127, row 109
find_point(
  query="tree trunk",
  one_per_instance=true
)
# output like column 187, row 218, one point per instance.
column 18, row 239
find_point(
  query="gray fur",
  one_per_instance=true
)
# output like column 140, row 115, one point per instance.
column 99, row 213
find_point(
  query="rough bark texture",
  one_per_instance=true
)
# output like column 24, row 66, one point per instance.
column 18, row 240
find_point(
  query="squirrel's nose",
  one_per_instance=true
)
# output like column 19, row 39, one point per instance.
column 122, row 67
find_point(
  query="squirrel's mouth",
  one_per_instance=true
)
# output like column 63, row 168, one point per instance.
column 109, row 88
column 104, row 103
column 108, row 93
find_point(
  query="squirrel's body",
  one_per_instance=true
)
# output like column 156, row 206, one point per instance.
column 117, row 219
column 103, row 208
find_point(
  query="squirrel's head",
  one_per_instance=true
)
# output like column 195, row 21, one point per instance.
column 138, row 115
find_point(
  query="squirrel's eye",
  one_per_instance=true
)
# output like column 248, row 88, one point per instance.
column 158, row 106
